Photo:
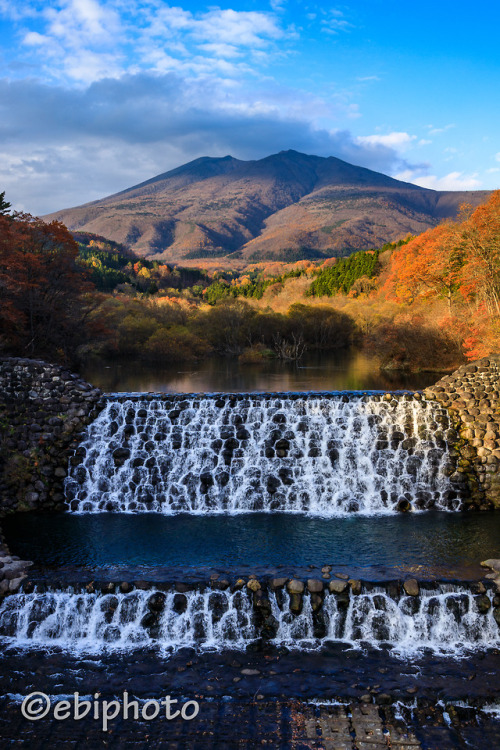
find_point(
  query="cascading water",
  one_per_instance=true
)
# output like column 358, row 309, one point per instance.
column 326, row 455
column 140, row 618
column 446, row 621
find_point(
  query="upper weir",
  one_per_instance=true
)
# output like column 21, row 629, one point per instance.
column 324, row 454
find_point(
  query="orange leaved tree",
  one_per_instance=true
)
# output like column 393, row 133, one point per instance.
column 480, row 240
column 429, row 265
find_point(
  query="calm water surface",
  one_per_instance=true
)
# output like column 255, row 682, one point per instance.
column 432, row 543
column 345, row 370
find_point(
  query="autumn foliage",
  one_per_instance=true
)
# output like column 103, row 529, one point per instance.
column 423, row 302
column 460, row 263
column 45, row 305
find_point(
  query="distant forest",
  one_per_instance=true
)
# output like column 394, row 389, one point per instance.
column 422, row 302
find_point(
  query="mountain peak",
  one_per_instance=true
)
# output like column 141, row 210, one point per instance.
column 285, row 205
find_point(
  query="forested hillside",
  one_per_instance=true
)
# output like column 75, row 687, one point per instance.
column 424, row 302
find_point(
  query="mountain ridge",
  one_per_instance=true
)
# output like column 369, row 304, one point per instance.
column 283, row 205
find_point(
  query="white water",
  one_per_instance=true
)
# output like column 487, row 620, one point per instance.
column 93, row 622
column 342, row 456
column 445, row 621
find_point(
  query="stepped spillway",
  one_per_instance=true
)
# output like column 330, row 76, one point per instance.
column 329, row 454
column 445, row 619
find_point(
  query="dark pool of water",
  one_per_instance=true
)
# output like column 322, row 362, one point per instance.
column 345, row 370
column 427, row 544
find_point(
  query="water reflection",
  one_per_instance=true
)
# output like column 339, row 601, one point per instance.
column 345, row 370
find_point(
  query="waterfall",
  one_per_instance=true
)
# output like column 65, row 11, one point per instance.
column 445, row 620
column 324, row 454
column 141, row 618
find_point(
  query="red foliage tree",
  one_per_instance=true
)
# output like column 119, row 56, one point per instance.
column 460, row 262
column 44, row 291
column 480, row 240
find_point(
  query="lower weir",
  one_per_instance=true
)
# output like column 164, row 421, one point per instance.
column 443, row 618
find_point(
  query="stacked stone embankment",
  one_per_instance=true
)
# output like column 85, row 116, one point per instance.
column 471, row 395
column 43, row 410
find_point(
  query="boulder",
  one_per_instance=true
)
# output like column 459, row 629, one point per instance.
column 295, row 587
column 483, row 604
column 156, row 602
column 296, row 603
column 478, row 587
column 316, row 602
column 355, row 586
column 277, row 583
column 411, row 587
column 253, row 585
column 314, row 586
column 492, row 564
column 337, row 587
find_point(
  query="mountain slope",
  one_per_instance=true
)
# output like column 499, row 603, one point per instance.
column 287, row 205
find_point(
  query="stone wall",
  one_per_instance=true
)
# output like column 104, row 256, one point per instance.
column 472, row 397
column 43, row 410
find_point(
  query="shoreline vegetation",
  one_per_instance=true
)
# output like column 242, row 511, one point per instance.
column 425, row 303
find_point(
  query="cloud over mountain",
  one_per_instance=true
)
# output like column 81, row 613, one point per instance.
column 117, row 131
column 97, row 94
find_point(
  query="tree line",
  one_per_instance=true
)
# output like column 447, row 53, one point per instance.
column 429, row 299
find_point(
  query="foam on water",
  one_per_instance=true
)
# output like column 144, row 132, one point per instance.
column 444, row 621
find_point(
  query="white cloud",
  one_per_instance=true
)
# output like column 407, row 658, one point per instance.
column 497, row 156
column 438, row 131
column 221, row 50
column 397, row 140
column 91, row 20
column 407, row 175
column 451, row 181
column 68, row 146
column 18, row 10
column 241, row 28
column 87, row 40
column 127, row 89
column 367, row 78
column 33, row 39
column 334, row 22
column 334, row 25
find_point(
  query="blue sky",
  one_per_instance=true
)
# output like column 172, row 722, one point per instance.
column 98, row 95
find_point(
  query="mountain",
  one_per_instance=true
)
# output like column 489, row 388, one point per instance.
column 284, row 207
